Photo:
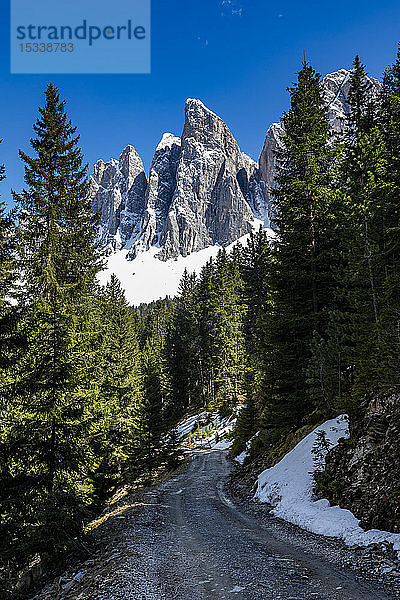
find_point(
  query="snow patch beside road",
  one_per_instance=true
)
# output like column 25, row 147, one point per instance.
column 288, row 488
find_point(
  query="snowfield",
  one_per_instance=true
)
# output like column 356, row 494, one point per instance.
column 288, row 489
column 146, row 278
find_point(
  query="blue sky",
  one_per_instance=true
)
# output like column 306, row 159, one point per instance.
column 237, row 56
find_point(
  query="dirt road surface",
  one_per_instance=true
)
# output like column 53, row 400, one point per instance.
column 192, row 541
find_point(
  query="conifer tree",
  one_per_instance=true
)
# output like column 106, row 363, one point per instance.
column 6, row 247
column 47, row 444
column 303, row 285
column 121, row 386
column 360, row 99
column 227, row 314
column 205, row 303
column 183, row 352
column 256, row 267
column 152, row 415
column 366, row 190
column 379, row 344
column 7, row 273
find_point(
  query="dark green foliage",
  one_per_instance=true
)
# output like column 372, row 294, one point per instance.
column 294, row 329
column 121, row 389
column 6, row 249
column 304, row 254
column 48, row 391
column 183, row 349
column 205, row 341
column 7, row 277
column 360, row 99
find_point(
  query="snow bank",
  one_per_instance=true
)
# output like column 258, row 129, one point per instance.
column 189, row 424
column 288, row 488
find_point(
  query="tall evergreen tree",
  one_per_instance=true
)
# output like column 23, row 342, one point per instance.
column 153, row 413
column 228, row 312
column 51, row 390
column 7, row 274
column 360, row 99
column 379, row 346
column 365, row 231
column 304, row 253
column 6, row 248
column 183, row 348
column 121, row 385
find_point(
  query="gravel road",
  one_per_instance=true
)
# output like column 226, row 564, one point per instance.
column 192, row 541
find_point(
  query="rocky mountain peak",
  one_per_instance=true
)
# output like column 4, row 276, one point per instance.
column 210, row 204
column 167, row 141
column 159, row 193
column 335, row 89
column 117, row 189
column 201, row 190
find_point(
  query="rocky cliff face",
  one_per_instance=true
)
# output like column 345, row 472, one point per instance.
column 335, row 90
column 117, row 189
column 202, row 189
column 209, row 205
column 363, row 472
column 159, row 193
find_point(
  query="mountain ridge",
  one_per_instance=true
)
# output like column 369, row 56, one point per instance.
column 201, row 189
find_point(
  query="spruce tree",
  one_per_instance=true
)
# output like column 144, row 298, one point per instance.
column 183, row 352
column 121, row 384
column 227, row 314
column 366, row 195
column 52, row 389
column 152, row 414
column 206, row 298
column 6, row 250
column 379, row 345
column 7, row 276
column 360, row 99
column 304, row 253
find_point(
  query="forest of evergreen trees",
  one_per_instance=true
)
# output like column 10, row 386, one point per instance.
column 296, row 328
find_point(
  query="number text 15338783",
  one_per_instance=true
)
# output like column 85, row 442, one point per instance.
column 46, row 47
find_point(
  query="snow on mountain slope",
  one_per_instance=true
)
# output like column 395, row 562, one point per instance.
column 288, row 488
column 146, row 278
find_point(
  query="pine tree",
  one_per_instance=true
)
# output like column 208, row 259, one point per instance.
column 256, row 271
column 206, row 299
column 52, row 388
column 152, row 414
column 6, row 249
column 183, row 352
column 121, row 386
column 304, row 254
column 367, row 201
column 7, row 275
column 228, row 312
column 360, row 99
column 379, row 346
